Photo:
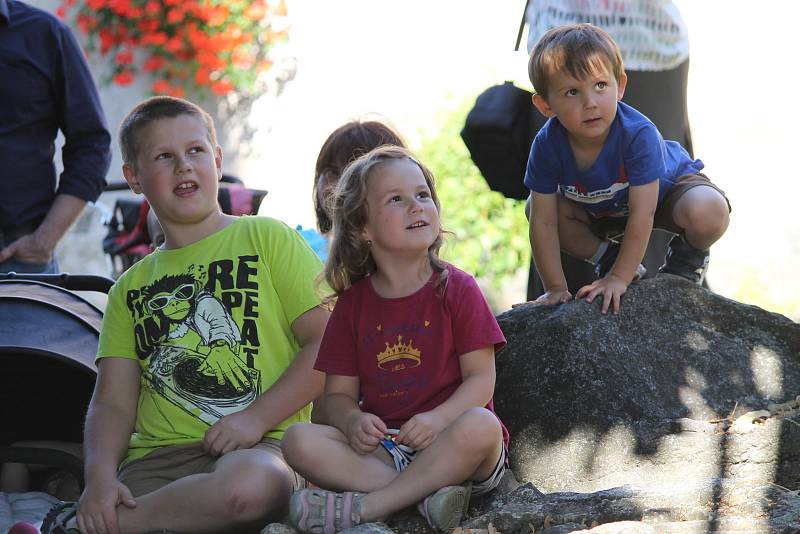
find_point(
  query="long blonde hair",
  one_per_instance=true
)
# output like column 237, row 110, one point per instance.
column 349, row 258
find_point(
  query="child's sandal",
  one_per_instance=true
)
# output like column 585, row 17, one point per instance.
column 444, row 509
column 55, row 522
column 317, row 511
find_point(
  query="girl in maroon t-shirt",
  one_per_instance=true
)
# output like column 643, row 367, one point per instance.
column 409, row 360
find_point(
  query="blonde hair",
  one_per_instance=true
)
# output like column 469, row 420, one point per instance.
column 349, row 258
column 578, row 49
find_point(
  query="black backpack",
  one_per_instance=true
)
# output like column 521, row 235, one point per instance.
column 498, row 133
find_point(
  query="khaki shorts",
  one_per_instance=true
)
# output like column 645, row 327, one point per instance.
column 615, row 226
column 168, row 464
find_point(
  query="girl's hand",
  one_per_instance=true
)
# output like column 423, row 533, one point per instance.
column 611, row 288
column 364, row 431
column 420, row 431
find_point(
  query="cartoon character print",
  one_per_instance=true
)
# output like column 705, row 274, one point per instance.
column 193, row 345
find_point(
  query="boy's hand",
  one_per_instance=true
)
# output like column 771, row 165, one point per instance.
column 420, row 431
column 240, row 430
column 611, row 287
column 97, row 507
column 549, row 298
column 553, row 296
column 365, row 431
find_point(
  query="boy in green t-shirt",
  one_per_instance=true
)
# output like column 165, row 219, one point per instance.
column 206, row 352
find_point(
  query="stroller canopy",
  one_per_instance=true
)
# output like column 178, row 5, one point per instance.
column 48, row 342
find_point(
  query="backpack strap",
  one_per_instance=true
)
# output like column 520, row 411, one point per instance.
column 521, row 25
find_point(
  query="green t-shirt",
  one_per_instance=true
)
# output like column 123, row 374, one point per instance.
column 210, row 325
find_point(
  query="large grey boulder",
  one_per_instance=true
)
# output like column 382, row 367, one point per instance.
column 650, row 395
column 677, row 415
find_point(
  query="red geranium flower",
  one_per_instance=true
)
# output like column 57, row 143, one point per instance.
column 124, row 58
column 124, row 77
column 206, row 44
column 221, row 87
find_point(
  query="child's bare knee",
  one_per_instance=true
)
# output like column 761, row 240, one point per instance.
column 707, row 213
column 256, row 493
column 477, row 428
column 298, row 444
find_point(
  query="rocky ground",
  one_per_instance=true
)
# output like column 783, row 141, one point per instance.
column 679, row 414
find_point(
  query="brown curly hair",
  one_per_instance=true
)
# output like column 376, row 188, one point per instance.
column 349, row 258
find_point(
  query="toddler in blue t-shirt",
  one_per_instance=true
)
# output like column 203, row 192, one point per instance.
column 599, row 170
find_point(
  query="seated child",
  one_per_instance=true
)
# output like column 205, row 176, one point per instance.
column 346, row 143
column 600, row 168
column 206, row 351
column 414, row 340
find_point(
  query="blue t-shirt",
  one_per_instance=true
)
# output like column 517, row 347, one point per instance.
column 316, row 241
column 634, row 153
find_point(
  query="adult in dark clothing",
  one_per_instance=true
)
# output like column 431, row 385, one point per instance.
column 46, row 87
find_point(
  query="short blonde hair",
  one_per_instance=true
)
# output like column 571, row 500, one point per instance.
column 580, row 49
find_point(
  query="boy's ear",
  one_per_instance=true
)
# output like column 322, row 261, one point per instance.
column 542, row 105
column 623, row 82
column 218, row 161
column 130, row 177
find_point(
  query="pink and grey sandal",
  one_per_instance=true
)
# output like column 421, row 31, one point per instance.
column 444, row 509
column 317, row 511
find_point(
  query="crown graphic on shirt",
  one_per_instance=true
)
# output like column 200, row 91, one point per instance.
column 399, row 351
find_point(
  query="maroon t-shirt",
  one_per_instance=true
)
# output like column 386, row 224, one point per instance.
column 406, row 350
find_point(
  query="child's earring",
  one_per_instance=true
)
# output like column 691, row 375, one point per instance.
column 366, row 252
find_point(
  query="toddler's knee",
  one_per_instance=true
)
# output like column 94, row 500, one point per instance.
column 477, row 428
column 708, row 216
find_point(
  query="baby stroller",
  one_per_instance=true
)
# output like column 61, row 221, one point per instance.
column 48, row 340
column 130, row 237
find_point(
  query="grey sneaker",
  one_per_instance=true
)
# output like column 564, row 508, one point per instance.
column 685, row 261
column 444, row 509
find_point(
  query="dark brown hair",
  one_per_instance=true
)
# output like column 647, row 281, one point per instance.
column 153, row 109
column 580, row 49
column 345, row 144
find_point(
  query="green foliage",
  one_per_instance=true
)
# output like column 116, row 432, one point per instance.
column 489, row 232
